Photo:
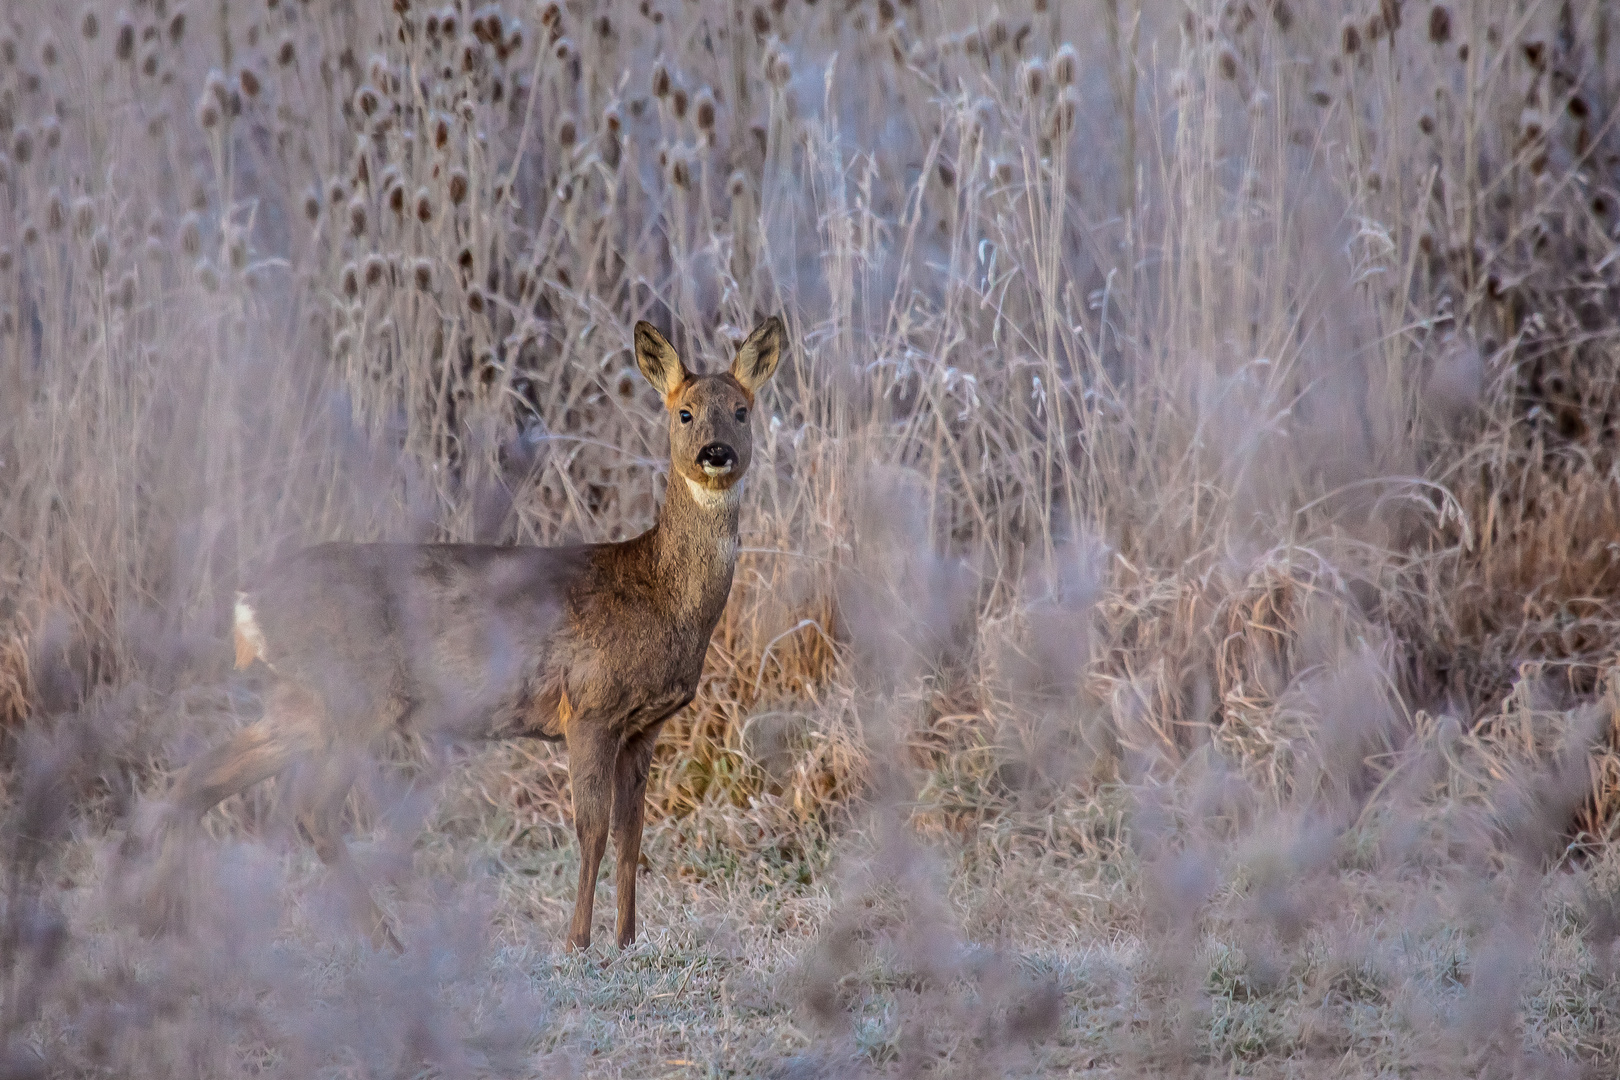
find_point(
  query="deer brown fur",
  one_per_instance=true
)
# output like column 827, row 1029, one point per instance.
column 595, row 645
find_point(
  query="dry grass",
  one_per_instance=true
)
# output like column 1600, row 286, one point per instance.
column 1177, row 626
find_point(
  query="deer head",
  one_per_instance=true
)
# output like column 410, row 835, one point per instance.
column 710, row 440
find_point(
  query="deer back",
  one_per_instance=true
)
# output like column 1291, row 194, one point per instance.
column 446, row 638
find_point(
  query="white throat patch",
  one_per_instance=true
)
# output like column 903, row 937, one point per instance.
column 710, row 499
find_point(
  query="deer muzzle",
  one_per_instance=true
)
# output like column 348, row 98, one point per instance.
column 717, row 459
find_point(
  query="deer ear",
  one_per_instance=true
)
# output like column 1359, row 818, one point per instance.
column 658, row 360
column 758, row 356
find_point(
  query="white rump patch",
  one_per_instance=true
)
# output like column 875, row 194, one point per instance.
column 247, row 628
column 710, row 499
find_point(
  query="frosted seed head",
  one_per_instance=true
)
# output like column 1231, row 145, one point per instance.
column 89, row 24
column 996, row 35
column 376, row 271
column 1065, row 66
column 984, row 114
column 100, row 251
column 208, row 112
column 778, row 68
column 1034, row 78
column 191, row 235
column 1439, row 24
column 1350, row 37
column 84, row 216
column 1068, row 107
column 56, row 210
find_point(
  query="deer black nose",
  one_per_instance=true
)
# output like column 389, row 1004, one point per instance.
column 717, row 457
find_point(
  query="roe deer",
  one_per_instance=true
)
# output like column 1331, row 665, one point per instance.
column 596, row 645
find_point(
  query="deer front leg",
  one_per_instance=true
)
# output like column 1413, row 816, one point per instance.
column 629, row 814
column 590, row 773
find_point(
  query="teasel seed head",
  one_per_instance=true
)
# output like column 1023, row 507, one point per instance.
column 191, row 235
column 84, row 216
column 1065, row 66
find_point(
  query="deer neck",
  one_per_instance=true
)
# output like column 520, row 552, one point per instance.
column 695, row 545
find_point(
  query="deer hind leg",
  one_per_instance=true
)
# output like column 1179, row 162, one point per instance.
column 289, row 730
column 321, row 817
column 629, row 815
column 285, row 733
column 591, row 753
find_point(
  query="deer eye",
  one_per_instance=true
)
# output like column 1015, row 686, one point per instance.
column 686, row 417
column 742, row 414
